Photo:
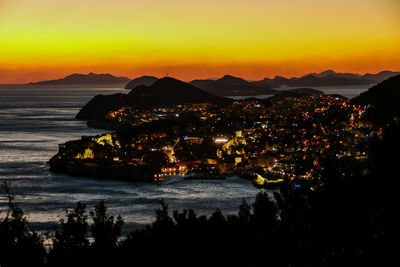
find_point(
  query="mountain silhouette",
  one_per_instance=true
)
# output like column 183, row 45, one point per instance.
column 172, row 91
column 229, row 85
column 232, row 86
column 381, row 76
column 311, row 80
column 375, row 78
column 164, row 92
column 326, row 78
column 143, row 80
column 86, row 79
column 229, row 79
column 382, row 101
column 336, row 74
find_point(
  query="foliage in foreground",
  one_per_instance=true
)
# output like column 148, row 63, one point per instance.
column 353, row 220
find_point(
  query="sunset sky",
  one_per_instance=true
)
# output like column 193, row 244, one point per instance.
column 45, row 39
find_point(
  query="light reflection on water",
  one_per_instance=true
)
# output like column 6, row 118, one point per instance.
column 34, row 121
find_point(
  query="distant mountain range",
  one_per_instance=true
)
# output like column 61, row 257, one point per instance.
column 235, row 86
column 86, row 79
column 327, row 78
column 229, row 85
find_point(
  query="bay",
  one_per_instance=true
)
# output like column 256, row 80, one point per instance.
column 33, row 121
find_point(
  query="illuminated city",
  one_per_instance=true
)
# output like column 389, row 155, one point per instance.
column 267, row 141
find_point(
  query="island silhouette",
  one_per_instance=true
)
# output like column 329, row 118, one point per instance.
column 227, row 85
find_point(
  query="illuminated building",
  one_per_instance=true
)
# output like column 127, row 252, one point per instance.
column 88, row 154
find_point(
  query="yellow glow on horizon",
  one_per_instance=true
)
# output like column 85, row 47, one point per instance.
column 189, row 38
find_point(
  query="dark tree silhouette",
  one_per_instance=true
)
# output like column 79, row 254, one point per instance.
column 105, row 232
column 19, row 245
column 71, row 242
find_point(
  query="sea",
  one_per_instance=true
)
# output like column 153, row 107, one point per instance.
column 32, row 124
column 33, row 121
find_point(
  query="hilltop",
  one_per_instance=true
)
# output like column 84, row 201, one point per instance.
column 166, row 91
column 172, row 91
column 382, row 100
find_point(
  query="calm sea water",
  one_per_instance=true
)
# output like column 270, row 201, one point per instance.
column 32, row 124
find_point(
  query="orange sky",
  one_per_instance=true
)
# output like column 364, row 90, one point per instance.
column 45, row 39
